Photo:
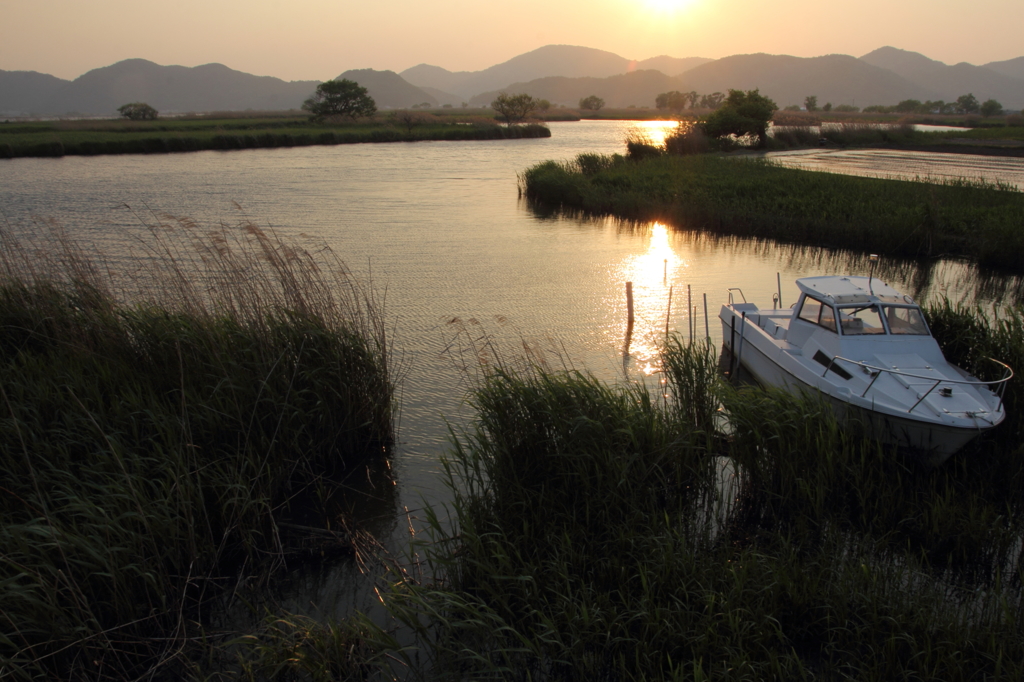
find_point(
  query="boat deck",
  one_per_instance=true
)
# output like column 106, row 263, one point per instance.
column 773, row 321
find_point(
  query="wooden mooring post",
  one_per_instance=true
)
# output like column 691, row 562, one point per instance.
column 629, row 315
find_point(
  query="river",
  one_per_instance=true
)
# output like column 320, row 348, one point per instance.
column 457, row 254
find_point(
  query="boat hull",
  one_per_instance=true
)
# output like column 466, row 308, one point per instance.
column 927, row 440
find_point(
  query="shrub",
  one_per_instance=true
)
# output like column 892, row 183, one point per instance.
column 687, row 138
column 138, row 111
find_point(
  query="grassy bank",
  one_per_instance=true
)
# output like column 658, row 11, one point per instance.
column 753, row 197
column 158, row 418
column 601, row 534
column 63, row 138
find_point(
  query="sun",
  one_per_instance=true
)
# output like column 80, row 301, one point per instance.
column 668, row 6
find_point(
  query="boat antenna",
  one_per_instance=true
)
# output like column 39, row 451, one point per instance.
column 874, row 259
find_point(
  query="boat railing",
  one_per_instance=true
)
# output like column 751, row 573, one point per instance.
column 732, row 289
column 877, row 372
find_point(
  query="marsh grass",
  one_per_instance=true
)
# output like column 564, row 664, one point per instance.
column 755, row 198
column 595, row 538
column 854, row 134
column 298, row 647
column 794, row 136
column 62, row 138
column 688, row 139
column 157, row 418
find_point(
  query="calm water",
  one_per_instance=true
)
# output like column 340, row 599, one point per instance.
column 442, row 230
column 907, row 165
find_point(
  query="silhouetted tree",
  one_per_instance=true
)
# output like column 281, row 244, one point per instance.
column 712, row 101
column 340, row 98
column 592, row 103
column 743, row 113
column 674, row 100
column 513, row 109
column 991, row 107
column 938, row 107
column 811, row 103
column 967, row 104
column 138, row 111
column 909, row 106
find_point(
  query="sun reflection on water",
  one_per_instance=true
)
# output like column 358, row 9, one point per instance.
column 655, row 273
column 655, row 131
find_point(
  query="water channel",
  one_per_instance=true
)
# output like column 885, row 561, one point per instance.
column 457, row 255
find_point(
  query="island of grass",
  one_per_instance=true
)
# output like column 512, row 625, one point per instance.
column 753, row 197
column 223, row 132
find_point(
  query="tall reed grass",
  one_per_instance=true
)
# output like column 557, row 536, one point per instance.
column 157, row 418
column 600, row 535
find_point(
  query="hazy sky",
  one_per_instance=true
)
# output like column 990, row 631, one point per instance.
column 318, row 39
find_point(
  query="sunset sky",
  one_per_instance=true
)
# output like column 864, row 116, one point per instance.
column 318, row 39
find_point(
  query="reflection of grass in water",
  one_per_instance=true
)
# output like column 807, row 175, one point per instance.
column 149, row 445
column 587, row 544
column 756, row 198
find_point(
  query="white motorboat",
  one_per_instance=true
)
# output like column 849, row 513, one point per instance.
column 867, row 347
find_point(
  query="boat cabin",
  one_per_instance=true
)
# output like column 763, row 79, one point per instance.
column 866, row 348
column 853, row 308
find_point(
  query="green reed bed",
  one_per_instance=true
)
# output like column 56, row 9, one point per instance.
column 600, row 534
column 900, row 135
column 156, row 419
column 753, row 197
column 846, row 134
column 187, row 135
column 1007, row 132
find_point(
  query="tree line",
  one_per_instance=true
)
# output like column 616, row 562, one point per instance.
column 964, row 104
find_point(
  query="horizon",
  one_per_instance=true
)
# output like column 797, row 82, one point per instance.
column 458, row 36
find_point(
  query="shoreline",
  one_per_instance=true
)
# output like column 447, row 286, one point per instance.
column 55, row 141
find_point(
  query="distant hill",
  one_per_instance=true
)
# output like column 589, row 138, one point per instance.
column 839, row 79
column 443, row 97
column 637, row 88
column 949, row 82
column 559, row 73
column 1014, row 68
column 25, row 92
column 671, row 66
column 427, row 76
column 388, row 89
column 836, row 78
column 551, row 60
column 211, row 87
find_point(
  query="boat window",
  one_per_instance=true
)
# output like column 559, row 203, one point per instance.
column 857, row 320
column 810, row 310
column 828, row 317
column 819, row 313
column 905, row 320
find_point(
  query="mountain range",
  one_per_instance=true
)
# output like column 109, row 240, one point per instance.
column 561, row 74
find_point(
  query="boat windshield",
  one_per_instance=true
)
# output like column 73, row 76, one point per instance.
column 818, row 313
column 905, row 320
column 856, row 320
